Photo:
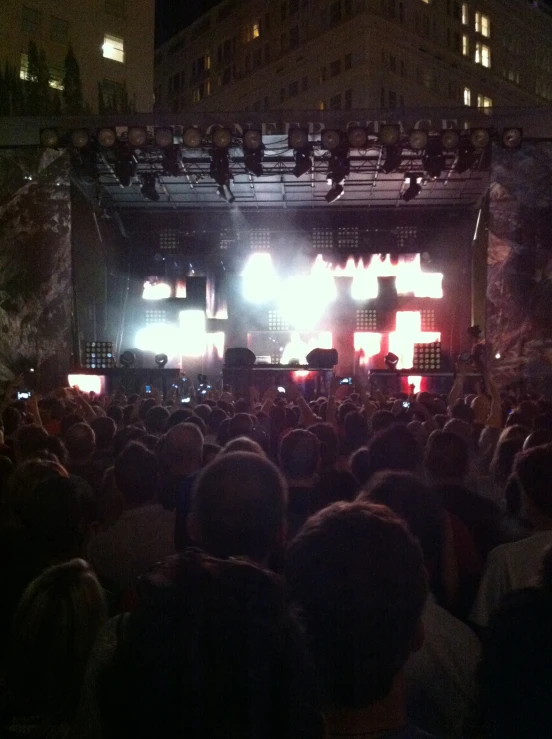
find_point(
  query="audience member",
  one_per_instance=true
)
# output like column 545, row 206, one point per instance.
column 300, row 464
column 156, row 420
column 243, row 444
column 392, row 449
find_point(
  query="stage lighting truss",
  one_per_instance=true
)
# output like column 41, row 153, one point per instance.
column 98, row 355
column 413, row 187
column 253, row 152
column 339, row 168
column 427, row 357
column 149, row 187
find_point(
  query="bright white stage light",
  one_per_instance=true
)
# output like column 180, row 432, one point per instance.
column 260, row 281
column 298, row 346
column 193, row 333
column 159, row 338
column 87, row 383
column 368, row 344
column 156, row 291
column 303, row 300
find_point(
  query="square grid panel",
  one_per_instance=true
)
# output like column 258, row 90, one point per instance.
column 428, row 319
column 276, row 322
column 366, row 319
column 168, row 239
column 427, row 356
column 155, row 315
column 98, row 355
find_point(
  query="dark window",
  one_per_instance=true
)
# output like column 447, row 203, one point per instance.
column 456, row 10
column 283, row 42
column 324, row 19
column 247, row 63
column 348, row 99
column 257, row 106
column 393, row 63
column 402, row 68
column 401, row 101
column 226, row 76
column 348, row 61
column 335, row 13
column 257, row 58
column 335, row 102
column 348, row 7
column 31, row 20
column 293, row 89
column 335, row 68
column 267, row 53
column 59, row 30
column 115, row 7
column 267, row 22
column 176, row 47
column 392, row 99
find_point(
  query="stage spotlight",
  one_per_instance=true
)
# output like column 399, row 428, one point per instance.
column 149, row 189
column 259, row 279
column 417, row 140
column 125, row 168
column 392, row 160
column 49, row 138
column 357, row 137
column 512, row 138
column 222, row 138
column 391, row 360
column 252, row 140
column 330, row 139
column 480, row 138
column 224, row 192
column 192, row 138
column 434, row 161
column 172, row 162
column 127, row 359
column 413, row 190
column 466, row 158
column 450, row 139
column 298, row 138
column 164, row 137
column 161, row 360
column 303, row 162
column 80, row 138
column 220, row 167
column 389, row 134
column 137, row 136
column 253, row 162
column 106, row 137
column 336, row 192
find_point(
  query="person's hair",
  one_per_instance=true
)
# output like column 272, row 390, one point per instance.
column 392, row 449
column 239, row 503
column 200, row 423
column 382, row 420
column 215, row 418
column 23, row 482
column 210, row 451
column 503, row 458
column 30, row 439
column 115, row 412
column 104, row 429
column 67, row 421
column 243, row 444
column 326, row 435
column 203, row 411
column 145, row 407
column 462, row 412
column 358, row 576
column 136, row 474
column 299, row 454
column 80, row 442
column 241, row 424
column 356, row 430
column 124, row 436
column 11, row 418
column 156, row 419
column 55, row 446
column 53, row 630
column 241, row 406
column 211, row 651
column 447, row 456
column 539, row 437
column 420, row 508
column 180, row 415
column 533, row 470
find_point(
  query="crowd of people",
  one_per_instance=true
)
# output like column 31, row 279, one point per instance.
column 356, row 565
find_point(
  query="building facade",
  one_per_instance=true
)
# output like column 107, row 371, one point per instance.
column 112, row 41
column 341, row 54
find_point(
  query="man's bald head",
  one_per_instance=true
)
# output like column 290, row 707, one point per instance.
column 80, row 441
column 184, row 447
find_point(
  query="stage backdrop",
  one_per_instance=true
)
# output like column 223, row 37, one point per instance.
column 35, row 264
column 519, row 277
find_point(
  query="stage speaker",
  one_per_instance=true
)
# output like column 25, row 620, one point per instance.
column 196, row 292
column 322, row 358
column 239, row 357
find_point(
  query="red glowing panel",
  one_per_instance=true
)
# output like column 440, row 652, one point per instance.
column 409, row 332
column 368, row 344
column 301, row 374
column 88, row 383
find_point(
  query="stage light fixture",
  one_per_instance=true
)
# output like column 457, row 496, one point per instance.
column 334, row 193
column 466, row 158
column 137, row 136
column 149, row 189
column 392, row 160
column 253, row 162
column 164, row 137
column 303, row 162
column 106, row 137
column 298, row 138
column 219, row 169
column 222, row 138
column 389, row 134
column 434, row 161
column 417, row 139
column 450, row 139
column 339, row 167
column 391, row 360
column 125, row 168
column 79, row 138
column 225, row 192
column 49, row 138
column 192, row 138
column 331, row 139
column 172, row 161
column 252, row 140
column 127, row 359
column 161, row 360
column 357, row 137
column 480, row 138
column 512, row 138
column 413, row 190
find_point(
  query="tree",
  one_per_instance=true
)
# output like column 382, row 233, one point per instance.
column 72, row 87
column 38, row 98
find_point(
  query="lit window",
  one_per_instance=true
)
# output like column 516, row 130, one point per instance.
column 256, row 29
column 113, row 48
column 465, row 14
column 482, row 55
column 484, row 103
column 465, row 45
column 24, row 67
column 467, row 96
column 482, row 24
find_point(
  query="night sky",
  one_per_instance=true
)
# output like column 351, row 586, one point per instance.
column 172, row 15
